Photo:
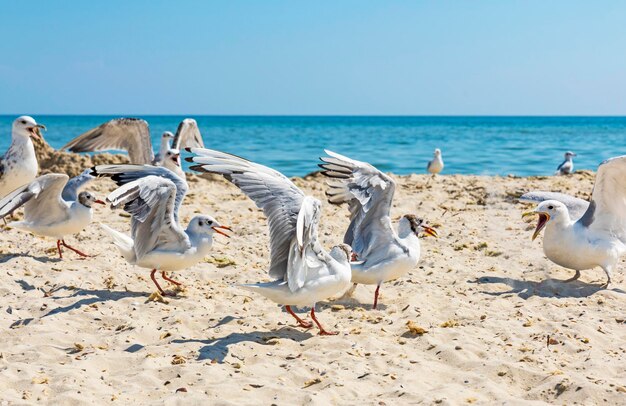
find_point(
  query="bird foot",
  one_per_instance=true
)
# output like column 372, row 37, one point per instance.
column 328, row 333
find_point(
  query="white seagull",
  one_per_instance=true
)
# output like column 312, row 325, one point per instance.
column 381, row 253
column 19, row 164
column 567, row 166
column 152, row 196
column 133, row 135
column 436, row 164
column 52, row 207
column 304, row 272
column 581, row 235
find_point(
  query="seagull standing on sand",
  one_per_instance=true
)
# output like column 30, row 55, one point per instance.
column 381, row 253
column 436, row 164
column 52, row 207
column 133, row 135
column 567, row 166
column 581, row 235
column 304, row 272
column 19, row 165
column 152, row 196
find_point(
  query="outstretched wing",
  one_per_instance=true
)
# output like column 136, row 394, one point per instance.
column 70, row 191
column 575, row 206
column 150, row 201
column 41, row 200
column 607, row 210
column 128, row 134
column 123, row 174
column 369, row 194
column 187, row 135
column 276, row 195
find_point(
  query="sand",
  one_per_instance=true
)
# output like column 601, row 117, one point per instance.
column 500, row 324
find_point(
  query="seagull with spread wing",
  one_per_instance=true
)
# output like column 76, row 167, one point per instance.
column 381, row 253
column 53, row 207
column 133, row 136
column 304, row 272
column 153, row 196
column 582, row 235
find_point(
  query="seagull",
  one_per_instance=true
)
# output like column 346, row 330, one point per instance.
column 381, row 253
column 19, row 165
column 52, row 207
column 436, row 165
column 567, row 166
column 133, row 135
column 153, row 196
column 582, row 235
column 304, row 272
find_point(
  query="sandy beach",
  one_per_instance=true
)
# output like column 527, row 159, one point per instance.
column 500, row 325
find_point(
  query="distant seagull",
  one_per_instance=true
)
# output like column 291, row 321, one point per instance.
column 152, row 196
column 581, row 235
column 382, row 254
column 567, row 166
column 19, row 164
column 133, row 135
column 52, row 207
column 304, row 272
column 436, row 165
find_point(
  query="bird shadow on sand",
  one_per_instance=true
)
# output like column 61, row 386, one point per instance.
column 351, row 304
column 217, row 349
column 545, row 288
column 4, row 258
column 89, row 296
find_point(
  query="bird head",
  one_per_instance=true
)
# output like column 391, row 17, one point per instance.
column 341, row 252
column 26, row 126
column 174, row 156
column 207, row 225
column 569, row 155
column 87, row 199
column 547, row 211
column 416, row 225
column 437, row 152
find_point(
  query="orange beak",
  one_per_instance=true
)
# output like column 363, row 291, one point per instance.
column 217, row 230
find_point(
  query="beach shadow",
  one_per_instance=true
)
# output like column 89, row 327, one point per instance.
column 546, row 288
column 351, row 304
column 7, row 257
column 95, row 296
column 217, row 349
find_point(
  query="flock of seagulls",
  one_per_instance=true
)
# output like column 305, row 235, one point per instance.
column 579, row 235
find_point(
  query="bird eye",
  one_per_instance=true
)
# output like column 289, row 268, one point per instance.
column 209, row 222
column 550, row 207
column 23, row 121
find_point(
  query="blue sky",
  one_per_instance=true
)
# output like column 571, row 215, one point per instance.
column 322, row 57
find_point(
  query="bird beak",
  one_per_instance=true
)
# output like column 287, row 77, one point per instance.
column 217, row 230
column 35, row 131
column 430, row 231
column 99, row 201
column 175, row 158
column 543, row 220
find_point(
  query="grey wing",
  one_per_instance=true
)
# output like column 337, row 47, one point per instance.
column 575, row 205
column 369, row 194
column 70, row 191
column 607, row 210
column 41, row 200
column 188, row 135
column 271, row 191
column 123, row 174
column 150, row 201
column 129, row 134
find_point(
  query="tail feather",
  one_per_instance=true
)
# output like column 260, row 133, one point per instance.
column 124, row 243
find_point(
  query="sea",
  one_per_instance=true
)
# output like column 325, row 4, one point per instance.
column 521, row 146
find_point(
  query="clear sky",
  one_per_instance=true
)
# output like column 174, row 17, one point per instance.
column 313, row 57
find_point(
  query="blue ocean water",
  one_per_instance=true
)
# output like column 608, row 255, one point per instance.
column 402, row 145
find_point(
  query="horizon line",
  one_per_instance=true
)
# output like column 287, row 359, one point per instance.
column 327, row 115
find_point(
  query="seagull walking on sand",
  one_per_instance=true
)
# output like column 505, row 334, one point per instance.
column 52, row 207
column 567, row 166
column 153, row 196
column 436, row 164
column 582, row 235
column 304, row 272
column 380, row 253
column 133, row 136
column 18, row 166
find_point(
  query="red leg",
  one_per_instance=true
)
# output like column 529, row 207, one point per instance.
column 82, row 254
column 376, row 297
column 301, row 322
column 59, row 248
column 170, row 280
column 322, row 331
column 155, row 282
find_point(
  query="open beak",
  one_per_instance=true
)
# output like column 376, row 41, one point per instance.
column 99, row 202
column 543, row 220
column 218, row 229
column 176, row 159
column 35, row 131
column 430, row 231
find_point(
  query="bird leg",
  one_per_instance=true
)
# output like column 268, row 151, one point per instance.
column 376, row 297
column 322, row 331
column 169, row 279
column 59, row 248
column 161, row 291
column 608, row 277
column 82, row 254
column 574, row 278
column 301, row 322
column 349, row 292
